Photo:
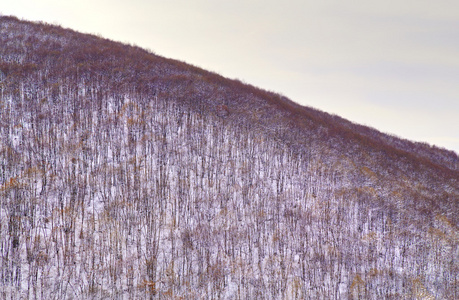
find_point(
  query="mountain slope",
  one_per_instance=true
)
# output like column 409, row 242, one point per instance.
column 128, row 175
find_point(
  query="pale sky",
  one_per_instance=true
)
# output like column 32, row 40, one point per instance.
column 392, row 65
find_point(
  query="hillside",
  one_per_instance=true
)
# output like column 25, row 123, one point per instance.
column 126, row 175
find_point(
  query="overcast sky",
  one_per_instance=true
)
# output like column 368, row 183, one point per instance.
column 392, row 65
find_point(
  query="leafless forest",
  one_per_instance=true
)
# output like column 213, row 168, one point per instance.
column 125, row 175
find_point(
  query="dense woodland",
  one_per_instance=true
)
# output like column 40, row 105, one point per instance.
column 125, row 175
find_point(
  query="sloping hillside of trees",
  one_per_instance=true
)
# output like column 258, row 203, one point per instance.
column 126, row 175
